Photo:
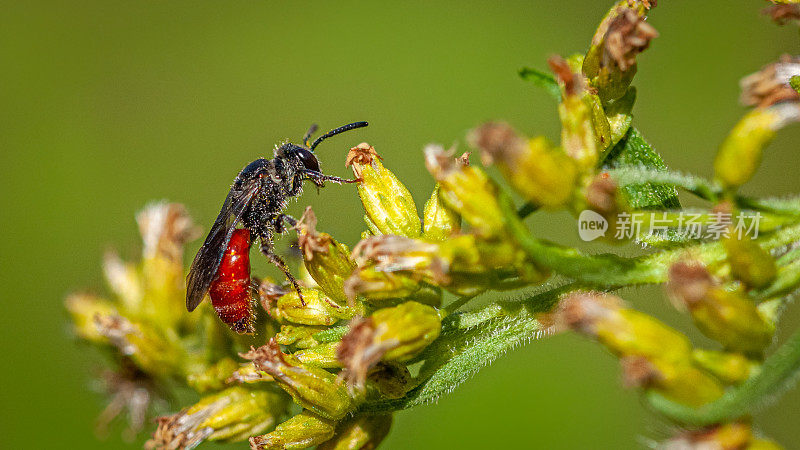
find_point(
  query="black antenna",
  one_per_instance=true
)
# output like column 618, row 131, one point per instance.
column 342, row 129
column 311, row 130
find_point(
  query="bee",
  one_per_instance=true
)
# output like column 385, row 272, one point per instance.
column 256, row 201
column 231, row 287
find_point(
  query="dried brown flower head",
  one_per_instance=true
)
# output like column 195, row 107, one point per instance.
column 358, row 352
column 362, row 154
column 601, row 194
column 770, row 85
column 308, row 239
column 581, row 310
column 440, row 162
column 496, row 141
column 688, row 283
column 267, row 358
column 628, row 35
column 131, row 392
column 646, row 3
column 638, row 371
column 783, row 14
column 165, row 228
column 573, row 83
column 117, row 329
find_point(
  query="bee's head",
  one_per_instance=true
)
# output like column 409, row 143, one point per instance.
column 303, row 155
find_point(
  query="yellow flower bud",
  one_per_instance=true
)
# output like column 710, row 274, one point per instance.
column 734, row 435
column 387, row 202
column 725, row 316
column 142, row 343
column 322, row 355
column 740, row 153
column 464, row 264
column 301, row 336
column 230, row 415
column 83, row 308
column 466, row 189
column 749, row 262
column 439, row 221
column 380, row 287
column 362, row 432
column 731, row 368
column 680, row 381
column 165, row 229
column 390, row 334
column 626, row 332
column 610, row 63
column 327, row 261
column 542, row 174
column 407, row 328
column 312, row 388
column 301, row 431
column 286, row 306
column 578, row 137
column 213, row 378
column 733, row 321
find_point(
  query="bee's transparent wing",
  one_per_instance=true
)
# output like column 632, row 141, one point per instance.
column 205, row 264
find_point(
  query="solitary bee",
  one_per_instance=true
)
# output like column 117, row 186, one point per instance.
column 256, row 200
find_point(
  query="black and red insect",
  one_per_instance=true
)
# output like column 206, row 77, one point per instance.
column 256, row 201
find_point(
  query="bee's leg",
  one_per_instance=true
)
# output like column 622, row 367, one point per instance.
column 267, row 249
column 278, row 224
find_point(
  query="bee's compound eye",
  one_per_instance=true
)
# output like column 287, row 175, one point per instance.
column 308, row 159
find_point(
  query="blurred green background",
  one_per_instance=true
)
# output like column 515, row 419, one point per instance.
column 109, row 104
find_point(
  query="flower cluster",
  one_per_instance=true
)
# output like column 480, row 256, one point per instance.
column 384, row 327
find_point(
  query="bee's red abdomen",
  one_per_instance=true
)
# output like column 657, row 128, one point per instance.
column 230, row 290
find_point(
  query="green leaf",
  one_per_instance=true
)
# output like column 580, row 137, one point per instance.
column 778, row 374
column 543, row 80
column 633, row 150
column 471, row 341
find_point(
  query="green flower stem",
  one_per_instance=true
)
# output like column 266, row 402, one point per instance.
column 608, row 270
column 777, row 374
column 456, row 305
column 702, row 188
